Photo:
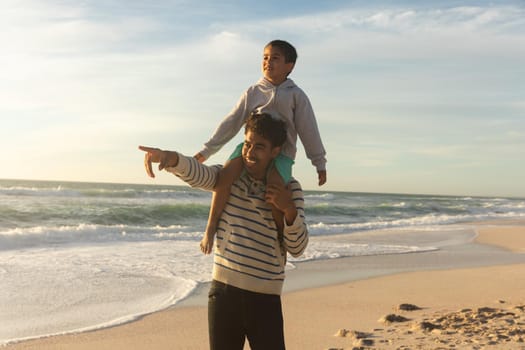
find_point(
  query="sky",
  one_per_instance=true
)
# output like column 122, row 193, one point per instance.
column 422, row 97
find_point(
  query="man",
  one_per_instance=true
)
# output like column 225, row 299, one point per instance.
column 250, row 253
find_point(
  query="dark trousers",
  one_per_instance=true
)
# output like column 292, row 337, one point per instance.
column 235, row 314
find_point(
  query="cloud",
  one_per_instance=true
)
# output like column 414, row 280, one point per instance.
column 394, row 33
column 384, row 80
column 442, row 151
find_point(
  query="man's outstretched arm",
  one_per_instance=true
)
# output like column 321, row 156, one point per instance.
column 188, row 169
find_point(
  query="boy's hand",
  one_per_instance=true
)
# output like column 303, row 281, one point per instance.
column 199, row 157
column 322, row 177
column 155, row 155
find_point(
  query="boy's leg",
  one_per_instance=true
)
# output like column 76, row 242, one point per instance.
column 221, row 192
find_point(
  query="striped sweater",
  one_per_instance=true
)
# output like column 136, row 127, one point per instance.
column 249, row 254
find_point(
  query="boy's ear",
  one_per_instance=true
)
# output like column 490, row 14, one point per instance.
column 290, row 67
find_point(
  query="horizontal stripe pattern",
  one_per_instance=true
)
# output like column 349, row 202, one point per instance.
column 249, row 253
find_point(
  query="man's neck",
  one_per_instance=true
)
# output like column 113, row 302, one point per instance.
column 257, row 177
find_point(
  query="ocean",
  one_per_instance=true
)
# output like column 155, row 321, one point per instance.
column 81, row 256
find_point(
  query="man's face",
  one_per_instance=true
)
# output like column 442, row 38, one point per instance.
column 274, row 67
column 257, row 153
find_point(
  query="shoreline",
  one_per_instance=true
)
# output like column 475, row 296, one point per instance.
column 496, row 251
column 328, row 272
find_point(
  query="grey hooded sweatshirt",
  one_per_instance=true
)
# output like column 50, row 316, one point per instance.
column 286, row 100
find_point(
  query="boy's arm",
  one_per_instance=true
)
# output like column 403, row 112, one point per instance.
column 226, row 130
column 308, row 131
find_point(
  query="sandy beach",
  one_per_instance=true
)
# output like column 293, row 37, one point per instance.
column 468, row 298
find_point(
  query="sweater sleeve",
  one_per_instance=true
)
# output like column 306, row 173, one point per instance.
column 195, row 174
column 296, row 235
column 308, row 131
column 228, row 128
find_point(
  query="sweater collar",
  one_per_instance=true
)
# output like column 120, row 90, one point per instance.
column 266, row 83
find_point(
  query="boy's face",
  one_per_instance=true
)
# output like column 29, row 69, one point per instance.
column 257, row 153
column 274, row 67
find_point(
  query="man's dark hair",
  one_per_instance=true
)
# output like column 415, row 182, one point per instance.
column 288, row 51
column 271, row 128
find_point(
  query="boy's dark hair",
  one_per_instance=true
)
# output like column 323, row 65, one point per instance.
column 288, row 51
column 267, row 126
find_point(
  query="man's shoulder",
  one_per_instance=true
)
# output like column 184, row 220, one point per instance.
column 295, row 185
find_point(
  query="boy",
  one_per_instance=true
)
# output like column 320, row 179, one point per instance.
column 277, row 95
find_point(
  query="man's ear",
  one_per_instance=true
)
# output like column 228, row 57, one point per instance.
column 276, row 151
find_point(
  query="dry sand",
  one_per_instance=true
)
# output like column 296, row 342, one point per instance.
column 472, row 308
column 360, row 306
